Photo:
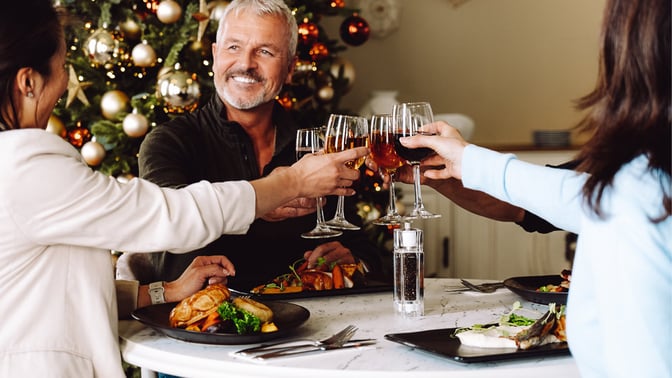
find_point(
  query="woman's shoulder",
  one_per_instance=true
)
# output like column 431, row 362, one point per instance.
column 23, row 143
column 637, row 186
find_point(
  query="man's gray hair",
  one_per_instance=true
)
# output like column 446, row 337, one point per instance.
column 276, row 8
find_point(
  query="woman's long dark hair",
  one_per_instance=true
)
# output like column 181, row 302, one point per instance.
column 30, row 34
column 629, row 111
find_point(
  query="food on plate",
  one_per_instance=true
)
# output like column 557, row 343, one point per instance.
column 213, row 310
column 516, row 331
column 563, row 287
column 323, row 277
column 198, row 306
column 255, row 308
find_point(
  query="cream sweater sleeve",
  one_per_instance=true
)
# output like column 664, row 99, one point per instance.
column 127, row 297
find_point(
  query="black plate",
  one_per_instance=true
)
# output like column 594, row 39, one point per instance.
column 286, row 316
column 527, row 287
column 370, row 287
column 441, row 342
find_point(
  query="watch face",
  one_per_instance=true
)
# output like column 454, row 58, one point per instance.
column 382, row 16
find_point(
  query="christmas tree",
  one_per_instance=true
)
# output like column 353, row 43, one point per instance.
column 134, row 64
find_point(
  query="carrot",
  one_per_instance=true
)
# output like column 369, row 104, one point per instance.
column 337, row 277
column 284, row 290
column 212, row 319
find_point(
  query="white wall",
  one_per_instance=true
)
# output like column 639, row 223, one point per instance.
column 512, row 65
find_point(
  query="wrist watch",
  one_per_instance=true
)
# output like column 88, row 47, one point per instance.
column 156, row 292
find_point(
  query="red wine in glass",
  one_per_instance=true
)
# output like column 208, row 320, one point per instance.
column 384, row 151
column 412, row 155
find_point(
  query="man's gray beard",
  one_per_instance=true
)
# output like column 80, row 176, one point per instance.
column 245, row 105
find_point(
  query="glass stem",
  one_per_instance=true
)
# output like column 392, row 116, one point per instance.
column 340, row 209
column 392, row 207
column 418, row 205
column 320, row 213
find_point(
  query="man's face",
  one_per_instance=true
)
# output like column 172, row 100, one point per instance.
column 251, row 60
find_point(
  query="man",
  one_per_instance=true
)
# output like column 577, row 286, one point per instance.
column 242, row 134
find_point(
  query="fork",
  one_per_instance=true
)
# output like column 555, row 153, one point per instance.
column 335, row 343
column 341, row 337
column 489, row 287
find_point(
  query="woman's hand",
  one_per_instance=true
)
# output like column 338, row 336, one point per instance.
column 448, row 145
column 202, row 270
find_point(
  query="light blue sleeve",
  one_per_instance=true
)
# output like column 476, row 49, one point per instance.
column 551, row 193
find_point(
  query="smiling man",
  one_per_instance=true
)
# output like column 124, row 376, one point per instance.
column 242, row 133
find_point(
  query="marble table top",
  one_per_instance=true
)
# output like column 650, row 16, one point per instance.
column 373, row 314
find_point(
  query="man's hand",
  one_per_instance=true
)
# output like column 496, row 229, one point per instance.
column 292, row 209
column 332, row 252
column 210, row 269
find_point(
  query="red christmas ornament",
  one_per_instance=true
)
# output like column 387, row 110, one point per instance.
column 78, row 136
column 308, row 33
column 354, row 30
column 318, row 51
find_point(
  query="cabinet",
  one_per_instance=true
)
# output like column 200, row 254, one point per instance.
column 462, row 244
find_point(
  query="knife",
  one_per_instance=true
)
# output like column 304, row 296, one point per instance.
column 313, row 349
column 285, row 345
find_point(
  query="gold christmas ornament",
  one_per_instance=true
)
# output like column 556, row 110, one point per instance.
column 325, row 94
column 216, row 9
column 93, row 153
column 125, row 177
column 178, row 90
column 143, row 55
column 112, row 103
column 76, row 88
column 169, row 11
column 56, row 126
column 348, row 68
column 203, row 18
column 103, row 48
column 130, row 29
column 135, row 125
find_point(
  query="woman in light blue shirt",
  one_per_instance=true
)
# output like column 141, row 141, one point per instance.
column 619, row 200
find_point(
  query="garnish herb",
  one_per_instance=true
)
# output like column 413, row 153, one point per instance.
column 242, row 320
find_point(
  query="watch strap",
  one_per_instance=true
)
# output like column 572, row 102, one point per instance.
column 156, row 292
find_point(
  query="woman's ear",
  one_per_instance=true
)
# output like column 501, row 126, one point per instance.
column 25, row 82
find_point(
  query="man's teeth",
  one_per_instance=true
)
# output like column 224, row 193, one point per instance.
column 244, row 79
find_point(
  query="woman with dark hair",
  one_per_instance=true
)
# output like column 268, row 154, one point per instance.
column 59, row 219
column 618, row 200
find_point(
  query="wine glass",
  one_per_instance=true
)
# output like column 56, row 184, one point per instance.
column 408, row 118
column 309, row 141
column 345, row 132
column 381, row 138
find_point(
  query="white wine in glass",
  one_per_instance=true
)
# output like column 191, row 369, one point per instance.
column 345, row 132
column 309, row 141
column 408, row 119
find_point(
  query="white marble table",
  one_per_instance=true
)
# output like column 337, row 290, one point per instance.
column 374, row 316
